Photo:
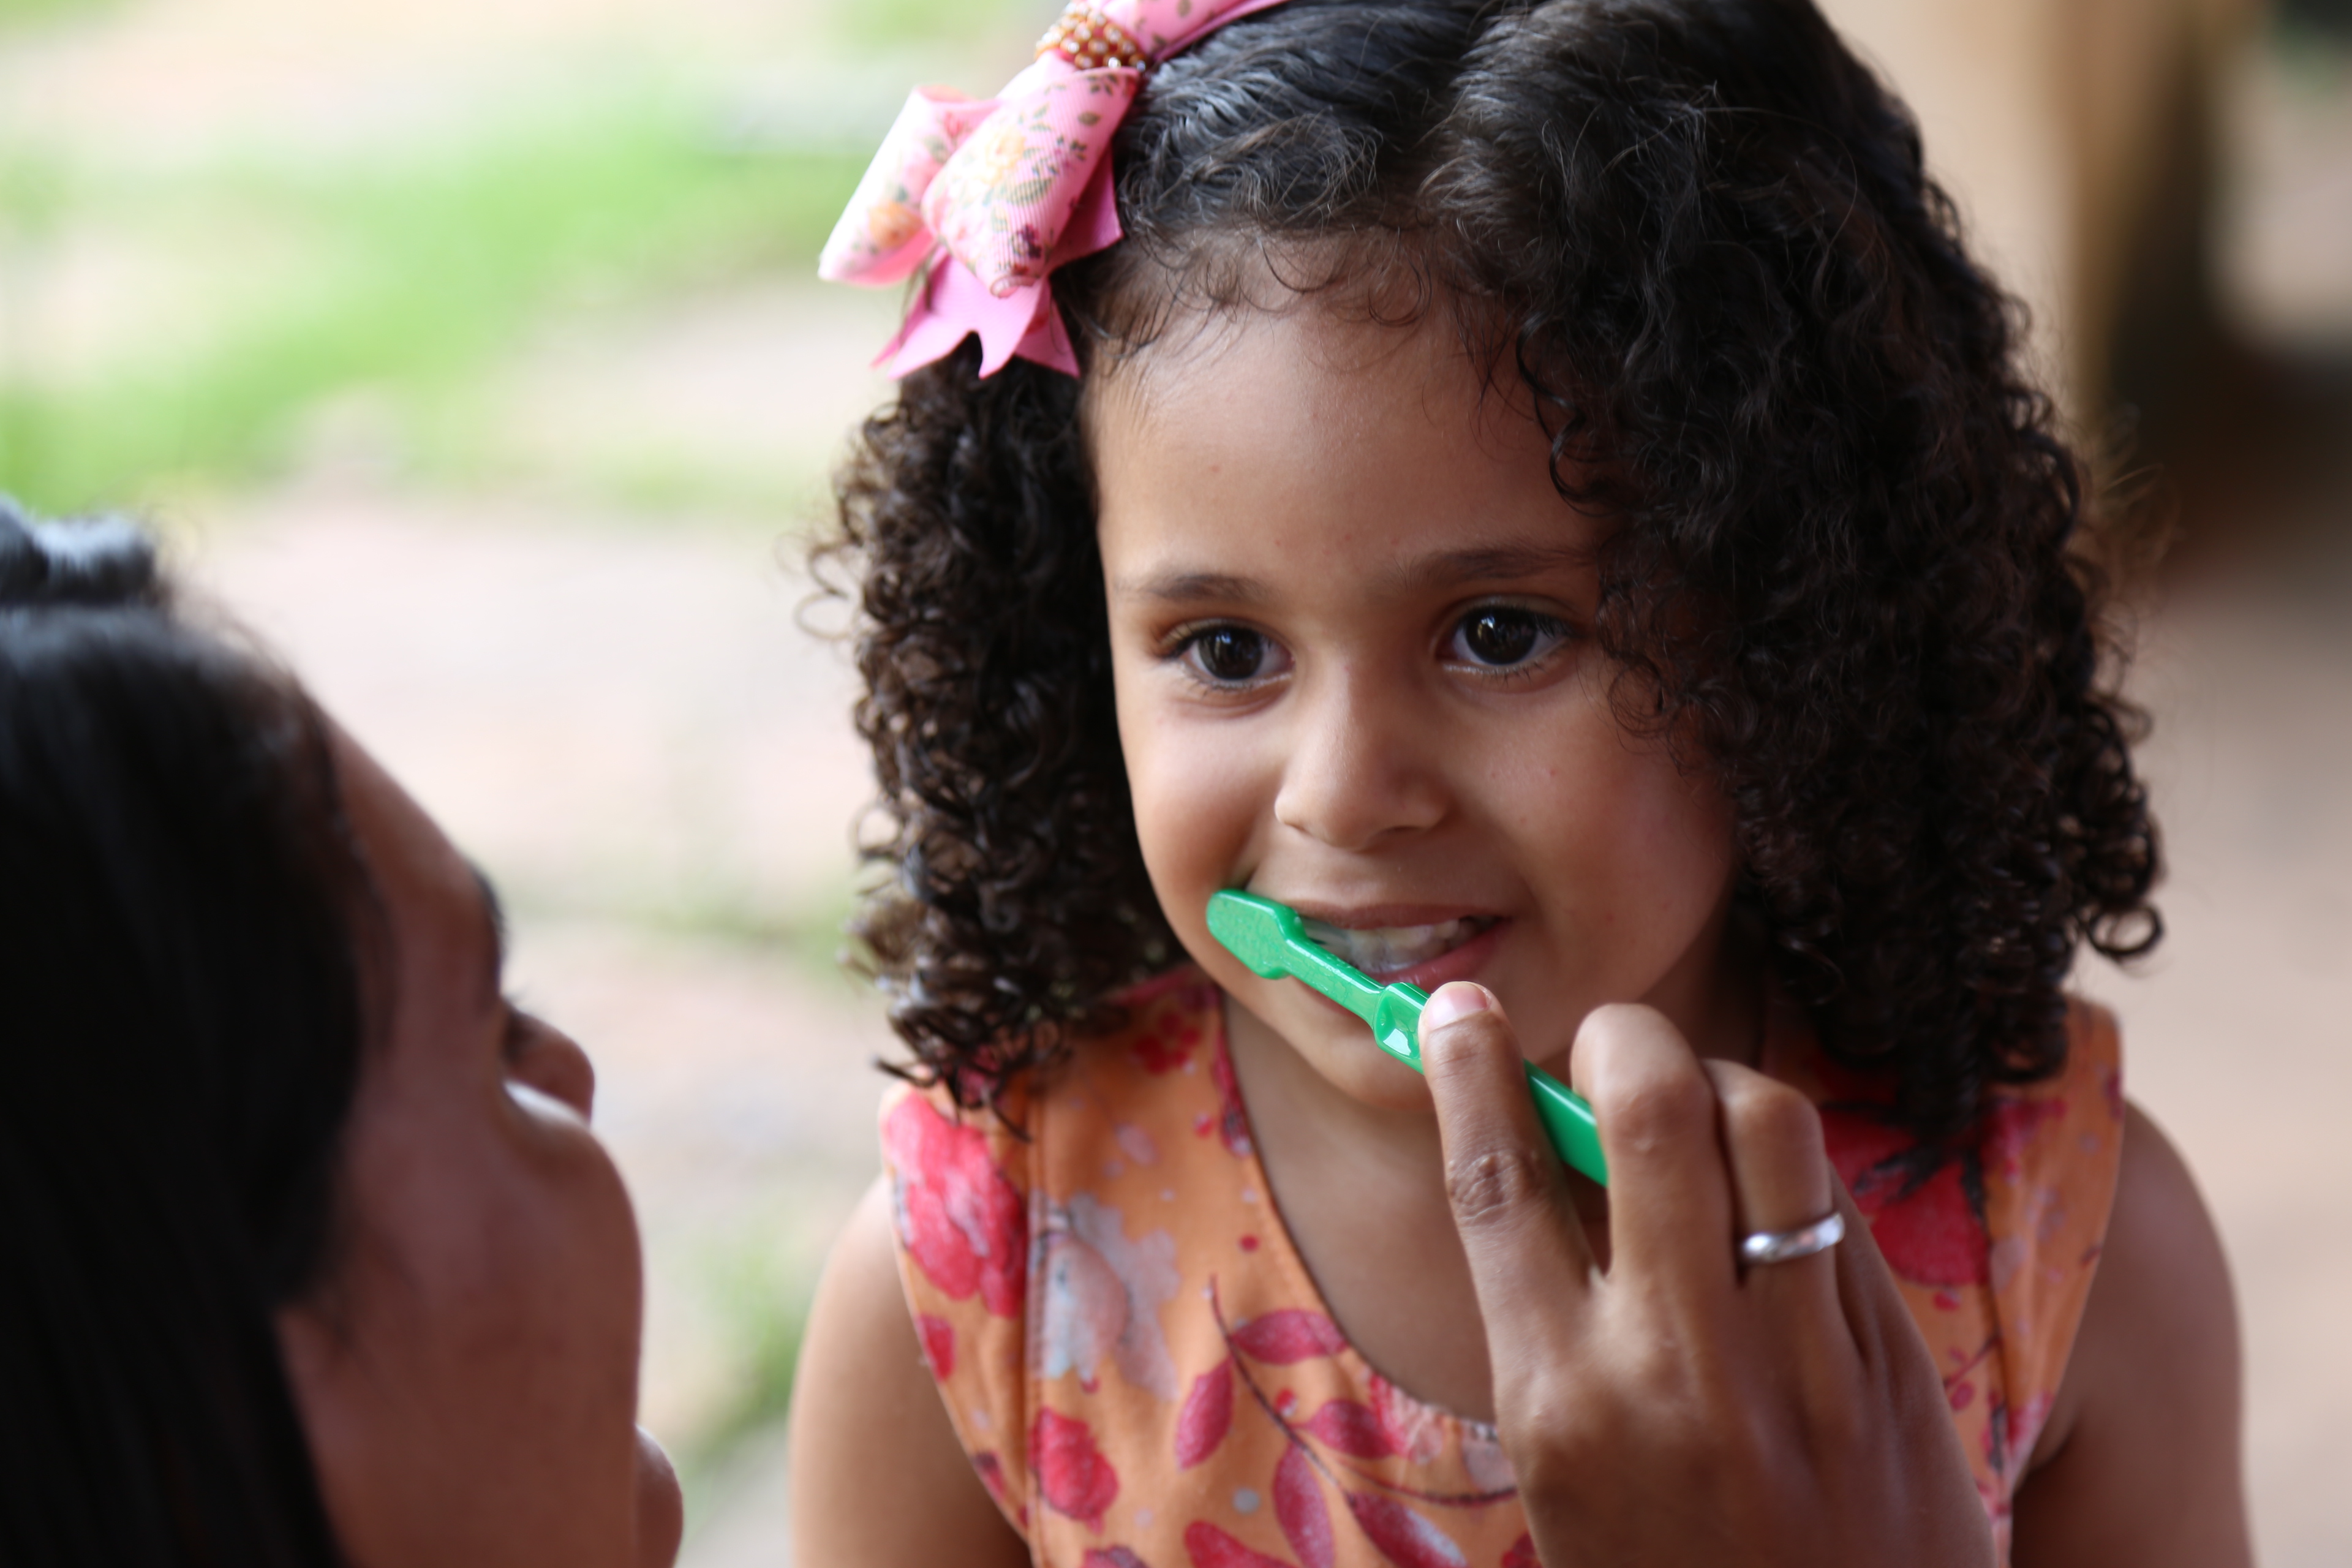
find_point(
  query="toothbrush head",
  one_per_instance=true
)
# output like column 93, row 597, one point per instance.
column 1256, row 930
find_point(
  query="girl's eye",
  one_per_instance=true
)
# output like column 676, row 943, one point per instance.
column 1232, row 655
column 1503, row 636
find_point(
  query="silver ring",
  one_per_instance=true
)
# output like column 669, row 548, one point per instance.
column 1787, row 1245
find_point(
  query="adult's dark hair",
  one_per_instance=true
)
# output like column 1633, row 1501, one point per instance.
column 182, row 912
column 1840, row 562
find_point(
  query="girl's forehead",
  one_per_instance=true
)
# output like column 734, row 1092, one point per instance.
column 1309, row 438
column 1344, row 346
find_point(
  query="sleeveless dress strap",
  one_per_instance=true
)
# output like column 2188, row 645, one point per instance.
column 1994, row 1238
column 960, row 1210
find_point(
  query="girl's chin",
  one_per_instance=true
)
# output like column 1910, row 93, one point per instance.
column 1362, row 1071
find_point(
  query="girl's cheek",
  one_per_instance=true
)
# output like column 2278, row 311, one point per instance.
column 1183, row 810
column 1198, row 810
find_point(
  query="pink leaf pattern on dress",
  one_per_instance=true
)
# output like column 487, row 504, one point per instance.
column 1210, row 1547
column 1403, row 1537
column 1351, row 1429
column 939, row 1345
column 1208, row 1410
column 1076, row 1481
column 1522, row 1554
column 1168, row 1044
column 1932, row 1235
column 1292, row 1334
column 1298, row 1505
column 1922, row 1214
column 1411, row 1428
column 956, row 1215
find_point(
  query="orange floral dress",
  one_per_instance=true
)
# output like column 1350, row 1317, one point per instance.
column 1145, row 1376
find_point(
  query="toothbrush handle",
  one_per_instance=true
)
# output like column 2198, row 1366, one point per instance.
column 1568, row 1122
column 1567, row 1119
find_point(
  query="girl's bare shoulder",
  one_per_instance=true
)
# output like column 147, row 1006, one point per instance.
column 2140, row 1461
column 877, row 1475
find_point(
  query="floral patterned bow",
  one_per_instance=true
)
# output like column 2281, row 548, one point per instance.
column 987, row 196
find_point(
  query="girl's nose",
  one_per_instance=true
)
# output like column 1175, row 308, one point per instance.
column 1359, row 771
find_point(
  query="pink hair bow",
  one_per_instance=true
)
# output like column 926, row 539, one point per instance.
column 986, row 197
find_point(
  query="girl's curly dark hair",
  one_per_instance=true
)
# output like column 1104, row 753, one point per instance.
column 1842, row 561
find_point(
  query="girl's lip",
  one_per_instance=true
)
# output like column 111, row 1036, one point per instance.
column 1455, row 964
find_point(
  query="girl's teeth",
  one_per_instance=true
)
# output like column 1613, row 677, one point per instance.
column 1383, row 950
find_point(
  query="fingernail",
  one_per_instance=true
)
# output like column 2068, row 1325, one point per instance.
column 1458, row 999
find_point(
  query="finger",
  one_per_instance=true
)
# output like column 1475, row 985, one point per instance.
column 1781, row 1181
column 1872, row 1301
column 1862, row 1276
column 1780, row 1169
column 1894, row 1354
column 1508, row 1190
column 1669, row 1194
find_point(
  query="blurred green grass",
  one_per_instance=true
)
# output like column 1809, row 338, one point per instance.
column 808, row 927
column 271, row 294
column 896, row 26
column 399, row 272
column 25, row 13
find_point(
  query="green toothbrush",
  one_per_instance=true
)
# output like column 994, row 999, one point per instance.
column 1271, row 939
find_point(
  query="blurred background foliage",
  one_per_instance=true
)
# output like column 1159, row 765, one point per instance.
column 900, row 25
column 403, row 271
column 26, row 12
column 178, row 325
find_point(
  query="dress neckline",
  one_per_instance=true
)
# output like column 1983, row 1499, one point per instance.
column 1275, row 1239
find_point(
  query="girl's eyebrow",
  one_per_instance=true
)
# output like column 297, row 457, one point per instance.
column 1190, row 587
column 1504, row 563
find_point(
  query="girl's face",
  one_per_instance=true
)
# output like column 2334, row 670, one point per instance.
column 1350, row 630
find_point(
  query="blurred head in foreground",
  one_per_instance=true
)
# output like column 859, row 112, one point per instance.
column 313, row 1257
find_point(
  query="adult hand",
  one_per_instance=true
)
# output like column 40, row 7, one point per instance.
column 1679, row 1409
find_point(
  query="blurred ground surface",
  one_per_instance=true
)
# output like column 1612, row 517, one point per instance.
column 614, row 708
column 2238, row 1033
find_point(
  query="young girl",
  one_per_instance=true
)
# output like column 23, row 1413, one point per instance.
column 1541, row 489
